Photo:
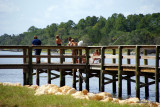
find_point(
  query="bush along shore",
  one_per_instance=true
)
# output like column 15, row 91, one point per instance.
column 68, row 97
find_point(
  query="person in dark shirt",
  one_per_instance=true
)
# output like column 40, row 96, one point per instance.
column 37, row 42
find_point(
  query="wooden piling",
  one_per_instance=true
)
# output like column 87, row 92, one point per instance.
column 87, row 69
column 37, row 77
column 137, row 63
column 49, row 71
column 62, row 78
column 62, row 72
column 80, row 71
column 146, row 78
column 74, row 78
column 157, row 75
column 114, row 77
column 74, row 73
column 120, row 72
column 80, row 80
column 102, row 69
column 30, row 69
column 128, row 80
column 24, row 70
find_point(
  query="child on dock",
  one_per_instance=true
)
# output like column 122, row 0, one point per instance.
column 96, row 53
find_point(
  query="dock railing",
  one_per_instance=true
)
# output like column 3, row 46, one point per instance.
column 122, row 62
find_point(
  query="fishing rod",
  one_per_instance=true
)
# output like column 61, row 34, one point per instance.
column 116, row 40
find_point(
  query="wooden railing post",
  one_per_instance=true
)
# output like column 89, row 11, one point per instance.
column 30, row 69
column 62, row 72
column 24, row 70
column 146, row 78
column 157, row 75
column 102, row 69
column 49, row 71
column 114, row 77
column 87, row 68
column 80, row 71
column 74, row 72
column 128, row 80
column 120, row 72
column 137, row 71
column 37, row 77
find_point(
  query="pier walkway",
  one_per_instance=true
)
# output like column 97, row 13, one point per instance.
column 121, row 62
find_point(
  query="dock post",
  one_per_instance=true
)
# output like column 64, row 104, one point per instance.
column 62, row 78
column 74, row 78
column 30, row 66
column 80, row 71
column 49, row 71
column 99, row 74
column 62, row 72
column 87, row 69
column 120, row 72
column 137, row 71
column 146, row 78
column 128, row 80
column 24, row 70
column 102, row 69
column 157, row 75
column 74, row 72
column 114, row 77
column 37, row 77
column 80, row 80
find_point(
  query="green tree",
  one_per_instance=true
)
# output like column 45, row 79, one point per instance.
column 120, row 23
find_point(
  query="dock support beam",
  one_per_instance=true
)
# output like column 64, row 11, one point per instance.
column 30, row 69
column 62, row 72
column 102, row 68
column 24, row 70
column 87, row 69
column 128, row 80
column 137, row 71
column 37, row 77
column 114, row 77
column 74, row 78
column 80, row 80
column 80, row 71
column 49, row 71
column 62, row 78
column 146, row 78
column 157, row 75
column 120, row 72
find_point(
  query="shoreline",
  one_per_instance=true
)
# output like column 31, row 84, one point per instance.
column 51, row 89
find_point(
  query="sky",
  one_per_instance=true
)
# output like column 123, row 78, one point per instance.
column 16, row 16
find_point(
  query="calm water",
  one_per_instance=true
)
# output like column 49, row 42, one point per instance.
column 15, row 75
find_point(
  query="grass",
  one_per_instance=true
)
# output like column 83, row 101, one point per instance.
column 11, row 96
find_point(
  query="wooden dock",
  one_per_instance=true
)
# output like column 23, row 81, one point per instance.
column 116, row 67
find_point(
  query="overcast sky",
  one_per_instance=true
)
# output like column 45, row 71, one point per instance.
column 16, row 16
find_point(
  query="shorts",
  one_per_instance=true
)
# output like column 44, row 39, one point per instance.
column 37, row 51
column 58, row 44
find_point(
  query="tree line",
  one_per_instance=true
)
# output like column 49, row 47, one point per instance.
column 116, row 30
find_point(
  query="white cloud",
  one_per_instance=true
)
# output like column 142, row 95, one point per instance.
column 145, row 9
column 20, row 14
column 76, row 9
